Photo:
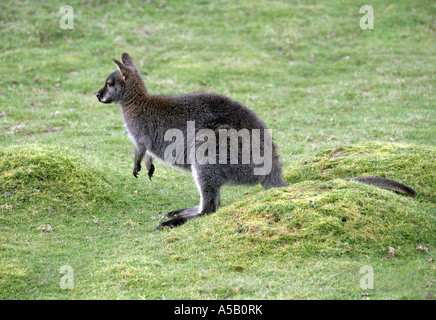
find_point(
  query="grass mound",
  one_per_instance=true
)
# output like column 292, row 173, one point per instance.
column 37, row 175
column 342, row 217
column 410, row 164
column 47, row 194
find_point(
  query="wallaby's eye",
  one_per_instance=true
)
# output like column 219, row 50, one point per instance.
column 109, row 84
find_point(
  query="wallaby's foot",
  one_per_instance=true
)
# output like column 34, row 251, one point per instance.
column 183, row 215
column 173, row 213
column 181, row 212
column 150, row 171
column 176, row 221
column 136, row 169
column 171, row 223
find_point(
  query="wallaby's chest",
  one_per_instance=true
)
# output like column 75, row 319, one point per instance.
column 130, row 135
column 131, row 129
column 138, row 130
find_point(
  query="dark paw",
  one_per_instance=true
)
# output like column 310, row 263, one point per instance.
column 136, row 170
column 171, row 223
column 151, row 171
column 173, row 213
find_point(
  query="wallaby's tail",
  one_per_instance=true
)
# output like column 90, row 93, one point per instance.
column 386, row 184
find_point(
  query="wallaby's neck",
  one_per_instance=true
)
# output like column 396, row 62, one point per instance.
column 136, row 92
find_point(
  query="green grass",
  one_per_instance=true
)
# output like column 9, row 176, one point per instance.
column 341, row 101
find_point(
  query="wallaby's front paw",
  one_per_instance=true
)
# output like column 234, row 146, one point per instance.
column 136, row 170
column 151, row 171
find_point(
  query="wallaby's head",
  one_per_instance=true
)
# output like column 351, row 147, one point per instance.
column 122, row 83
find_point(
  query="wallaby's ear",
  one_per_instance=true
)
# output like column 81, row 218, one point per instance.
column 127, row 60
column 124, row 70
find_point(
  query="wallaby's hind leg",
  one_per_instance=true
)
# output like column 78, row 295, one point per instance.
column 191, row 210
column 218, row 199
column 210, row 200
column 274, row 179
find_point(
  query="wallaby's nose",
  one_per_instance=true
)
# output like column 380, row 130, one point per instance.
column 98, row 95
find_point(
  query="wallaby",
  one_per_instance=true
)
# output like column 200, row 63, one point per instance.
column 153, row 121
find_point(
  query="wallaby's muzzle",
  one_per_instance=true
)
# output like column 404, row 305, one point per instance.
column 100, row 96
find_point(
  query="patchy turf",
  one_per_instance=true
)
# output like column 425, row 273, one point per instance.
column 55, row 203
column 319, row 81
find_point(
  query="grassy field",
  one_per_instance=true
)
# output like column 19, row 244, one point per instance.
column 340, row 100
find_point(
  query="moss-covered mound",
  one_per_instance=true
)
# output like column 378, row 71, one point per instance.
column 42, row 175
column 410, row 164
column 331, row 216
